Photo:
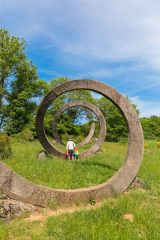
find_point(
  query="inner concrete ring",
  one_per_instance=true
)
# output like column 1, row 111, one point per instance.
column 21, row 189
column 87, row 140
column 57, row 137
column 66, row 106
column 93, row 149
column 89, row 136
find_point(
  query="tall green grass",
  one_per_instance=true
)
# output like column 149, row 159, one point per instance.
column 108, row 223
column 105, row 222
column 58, row 173
column 150, row 168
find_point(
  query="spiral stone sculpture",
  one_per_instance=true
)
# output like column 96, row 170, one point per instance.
column 19, row 188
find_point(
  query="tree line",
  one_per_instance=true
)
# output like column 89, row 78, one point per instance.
column 21, row 91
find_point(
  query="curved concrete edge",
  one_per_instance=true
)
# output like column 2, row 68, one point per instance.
column 50, row 148
column 89, row 136
column 19, row 188
column 57, row 138
column 135, row 130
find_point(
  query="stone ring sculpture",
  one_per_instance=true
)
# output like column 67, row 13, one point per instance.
column 89, row 136
column 56, row 136
column 93, row 149
column 92, row 129
column 21, row 189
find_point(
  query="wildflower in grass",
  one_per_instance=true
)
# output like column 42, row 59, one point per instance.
column 13, row 161
column 146, row 145
column 158, row 144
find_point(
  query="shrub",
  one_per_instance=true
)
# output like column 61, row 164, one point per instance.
column 5, row 146
column 158, row 144
column 26, row 134
column 146, row 145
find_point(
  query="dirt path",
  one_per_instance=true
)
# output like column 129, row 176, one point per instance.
column 43, row 214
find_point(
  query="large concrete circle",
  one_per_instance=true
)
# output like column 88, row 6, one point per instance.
column 57, row 137
column 19, row 188
column 91, row 107
column 51, row 149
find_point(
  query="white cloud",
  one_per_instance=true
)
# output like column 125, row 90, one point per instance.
column 112, row 30
column 98, row 73
column 147, row 108
column 89, row 31
column 49, row 72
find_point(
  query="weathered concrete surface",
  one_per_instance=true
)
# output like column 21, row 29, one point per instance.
column 10, row 209
column 95, row 147
column 89, row 136
column 21, row 189
column 56, row 136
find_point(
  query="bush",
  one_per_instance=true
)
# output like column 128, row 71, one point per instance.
column 146, row 145
column 158, row 144
column 26, row 134
column 5, row 146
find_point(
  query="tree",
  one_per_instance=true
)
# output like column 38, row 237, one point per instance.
column 116, row 125
column 74, row 95
column 11, row 56
column 75, row 114
column 151, row 127
column 69, row 121
column 19, row 84
column 22, row 98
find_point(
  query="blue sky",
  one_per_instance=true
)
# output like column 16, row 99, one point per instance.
column 114, row 41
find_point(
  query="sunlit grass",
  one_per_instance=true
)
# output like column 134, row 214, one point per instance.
column 105, row 222
column 58, row 173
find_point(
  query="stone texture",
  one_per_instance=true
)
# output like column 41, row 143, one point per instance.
column 41, row 134
column 10, row 209
column 139, row 184
column 42, row 155
column 21, row 189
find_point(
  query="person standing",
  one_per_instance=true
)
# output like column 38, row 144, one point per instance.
column 76, row 153
column 70, row 147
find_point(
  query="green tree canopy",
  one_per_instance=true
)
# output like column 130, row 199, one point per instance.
column 116, row 125
column 72, row 116
column 19, row 84
column 151, row 127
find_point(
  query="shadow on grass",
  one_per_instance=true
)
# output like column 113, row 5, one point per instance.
column 98, row 165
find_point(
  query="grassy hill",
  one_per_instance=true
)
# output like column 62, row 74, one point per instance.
column 103, row 222
column 57, row 173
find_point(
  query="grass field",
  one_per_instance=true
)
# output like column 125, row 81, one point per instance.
column 102, row 223
column 66, row 174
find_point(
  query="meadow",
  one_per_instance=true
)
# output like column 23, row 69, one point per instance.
column 66, row 174
column 102, row 222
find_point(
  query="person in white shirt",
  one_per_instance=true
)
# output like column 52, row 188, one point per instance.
column 70, row 148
